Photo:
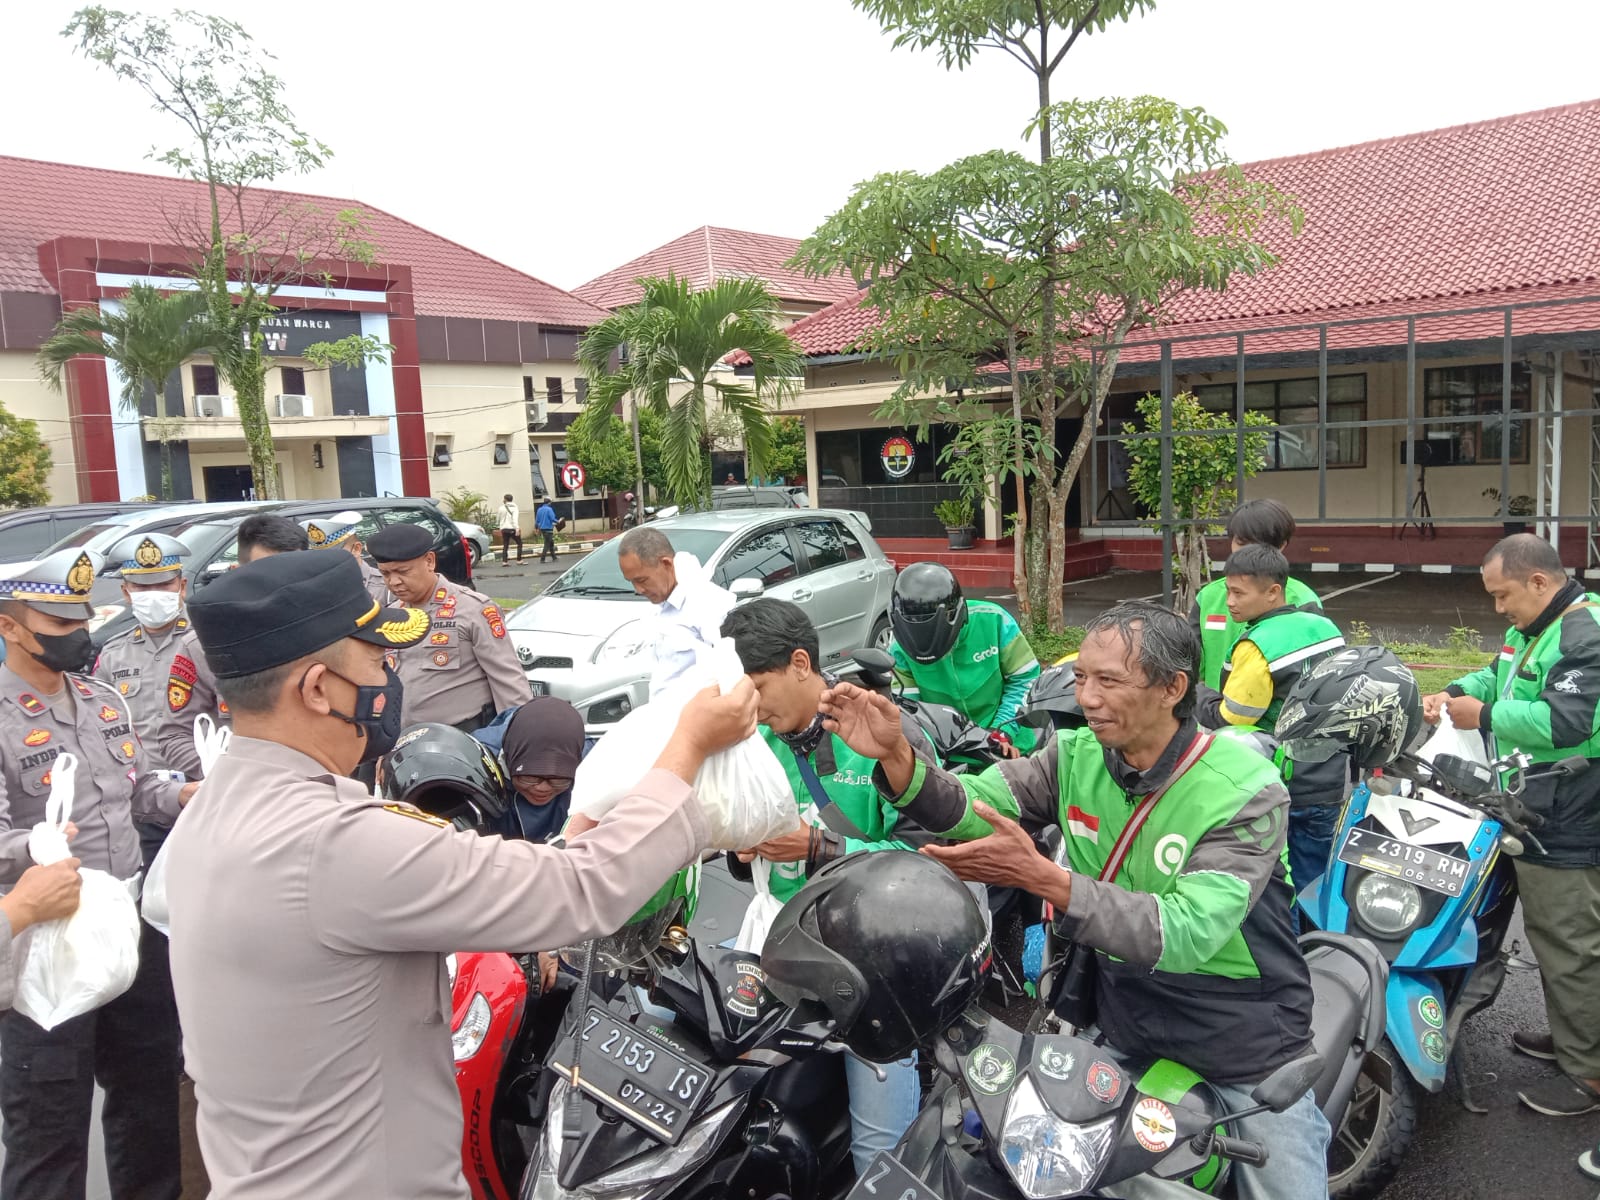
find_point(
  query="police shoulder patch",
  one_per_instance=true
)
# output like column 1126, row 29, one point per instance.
column 416, row 814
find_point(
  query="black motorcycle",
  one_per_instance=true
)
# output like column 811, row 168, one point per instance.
column 960, row 744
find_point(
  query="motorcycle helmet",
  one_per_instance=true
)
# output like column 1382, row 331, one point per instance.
column 1362, row 699
column 446, row 772
column 889, row 943
column 1052, row 701
column 673, row 904
column 927, row 611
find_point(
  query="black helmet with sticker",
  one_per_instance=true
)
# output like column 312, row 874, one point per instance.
column 1362, row 700
column 927, row 611
column 446, row 772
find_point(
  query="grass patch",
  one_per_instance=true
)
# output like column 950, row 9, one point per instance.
column 507, row 603
column 1050, row 647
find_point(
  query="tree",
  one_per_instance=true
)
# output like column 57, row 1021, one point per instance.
column 608, row 458
column 1204, row 475
column 207, row 72
column 667, row 354
column 788, row 457
column 24, row 462
column 153, row 335
column 966, row 266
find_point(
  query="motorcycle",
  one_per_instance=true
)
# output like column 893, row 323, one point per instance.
column 1422, row 869
column 651, row 512
column 1051, row 1115
column 960, row 744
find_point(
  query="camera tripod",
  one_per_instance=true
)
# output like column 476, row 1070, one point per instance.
column 1420, row 513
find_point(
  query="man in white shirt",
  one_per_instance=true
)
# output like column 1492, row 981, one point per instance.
column 689, row 607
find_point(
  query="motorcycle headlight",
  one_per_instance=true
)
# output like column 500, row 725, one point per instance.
column 1387, row 906
column 625, row 641
column 1047, row 1156
column 466, row 1039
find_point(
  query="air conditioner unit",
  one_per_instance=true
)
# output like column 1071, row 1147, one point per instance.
column 213, row 406
column 293, row 406
column 538, row 413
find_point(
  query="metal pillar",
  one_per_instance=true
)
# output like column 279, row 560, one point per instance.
column 1548, row 400
column 1167, row 547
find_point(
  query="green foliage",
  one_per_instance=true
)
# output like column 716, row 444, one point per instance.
column 1022, row 28
column 666, row 351
column 1358, row 634
column 980, row 456
column 787, row 458
column 1051, row 647
column 953, row 514
column 608, row 458
column 24, row 462
column 356, row 350
column 1464, row 639
column 464, row 504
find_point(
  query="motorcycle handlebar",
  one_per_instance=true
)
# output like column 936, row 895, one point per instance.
column 1239, row 1150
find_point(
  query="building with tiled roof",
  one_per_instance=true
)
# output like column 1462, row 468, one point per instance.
column 1398, row 233
column 482, row 383
column 710, row 253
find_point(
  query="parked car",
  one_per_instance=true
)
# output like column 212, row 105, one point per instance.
column 479, row 544
column 26, row 533
column 587, row 637
column 743, row 496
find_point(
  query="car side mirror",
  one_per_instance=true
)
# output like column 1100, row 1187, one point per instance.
column 747, row 589
column 1282, row 1090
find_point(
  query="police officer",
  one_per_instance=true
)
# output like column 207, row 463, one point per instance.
column 466, row 670
column 310, row 921
column 339, row 531
column 137, row 663
column 48, row 705
column 191, row 687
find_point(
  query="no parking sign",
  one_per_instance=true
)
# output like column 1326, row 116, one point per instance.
column 572, row 476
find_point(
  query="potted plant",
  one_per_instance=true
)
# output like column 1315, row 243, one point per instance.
column 956, row 517
column 1517, row 506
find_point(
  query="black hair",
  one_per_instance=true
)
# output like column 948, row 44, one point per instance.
column 1163, row 643
column 269, row 531
column 766, row 633
column 257, row 693
column 1522, row 554
column 1261, row 523
column 1258, row 561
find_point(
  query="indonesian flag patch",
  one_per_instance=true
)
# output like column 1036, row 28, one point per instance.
column 1216, row 623
column 1083, row 825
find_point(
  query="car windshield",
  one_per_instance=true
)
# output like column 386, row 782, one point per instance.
column 599, row 575
column 97, row 536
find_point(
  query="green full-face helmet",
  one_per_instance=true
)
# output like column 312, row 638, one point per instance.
column 673, row 904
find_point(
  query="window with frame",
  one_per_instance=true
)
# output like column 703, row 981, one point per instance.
column 552, row 389
column 580, row 390
column 558, row 458
column 1474, row 392
column 534, row 471
column 1293, row 403
column 766, row 556
column 828, row 544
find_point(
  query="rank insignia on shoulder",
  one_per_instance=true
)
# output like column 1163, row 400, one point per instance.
column 31, row 704
column 416, row 814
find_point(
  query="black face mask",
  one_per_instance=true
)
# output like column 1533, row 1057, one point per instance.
column 72, row 652
column 377, row 712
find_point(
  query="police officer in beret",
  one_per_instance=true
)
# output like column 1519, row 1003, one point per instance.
column 191, row 688
column 340, row 532
column 466, row 670
column 310, row 920
column 48, row 705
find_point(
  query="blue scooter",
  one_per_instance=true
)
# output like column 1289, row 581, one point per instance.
column 1421, row 867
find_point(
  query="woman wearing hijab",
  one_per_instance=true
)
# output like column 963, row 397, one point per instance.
column 540, row 743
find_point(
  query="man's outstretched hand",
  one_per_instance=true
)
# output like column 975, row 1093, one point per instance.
column 869, row 723
column 1006, row 857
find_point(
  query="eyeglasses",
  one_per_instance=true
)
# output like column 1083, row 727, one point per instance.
column 545, row 783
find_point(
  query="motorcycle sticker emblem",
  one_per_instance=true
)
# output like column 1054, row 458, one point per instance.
column 744, row 993
column 1103, row 1081
column 1416, row 825
column 1430, row 1012
column 1433, row 1045
column 1153, row 1125
column 1055, row 1064
column 991, row 1069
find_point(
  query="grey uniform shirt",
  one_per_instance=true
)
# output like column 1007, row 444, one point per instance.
column 191, row 690
column 373, row 579
column 137, row 664
column 309, row 928
column 466, row 661
column 90, row 720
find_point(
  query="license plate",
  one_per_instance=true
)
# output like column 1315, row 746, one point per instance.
column 886, row 1179
column 623, row 1067
column 1424, row 867
column 538, row 687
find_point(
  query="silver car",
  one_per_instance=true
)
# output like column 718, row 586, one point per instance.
column 587, row 638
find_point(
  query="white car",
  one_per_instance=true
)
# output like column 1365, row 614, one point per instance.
column 479, row 544
column 587, row 637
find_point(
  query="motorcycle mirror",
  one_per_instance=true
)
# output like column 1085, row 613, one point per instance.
column 1575, row 764
column 874, row 660
column 1281, row 1090
column 1465, row 776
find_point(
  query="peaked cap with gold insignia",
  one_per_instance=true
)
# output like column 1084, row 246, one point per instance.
column 58, row 584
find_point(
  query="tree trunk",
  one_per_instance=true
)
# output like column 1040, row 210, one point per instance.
column 638, row 462
column 1039, row 557
column 249, row 392
column 1019, row 533
column 166, row 467
column 1191, row 565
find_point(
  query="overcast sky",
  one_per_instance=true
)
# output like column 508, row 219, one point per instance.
column 566, row 137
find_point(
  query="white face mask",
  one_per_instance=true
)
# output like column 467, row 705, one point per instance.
column 155, row 610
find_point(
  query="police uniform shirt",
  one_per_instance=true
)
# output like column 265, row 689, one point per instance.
column 191, row 690
column 372, row 580
column 467, row 660
column 138, row 664
column 309, row 927
column 91, row 721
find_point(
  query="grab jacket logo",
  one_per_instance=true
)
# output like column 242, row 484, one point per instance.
column 1569, row 682
column 990, row 652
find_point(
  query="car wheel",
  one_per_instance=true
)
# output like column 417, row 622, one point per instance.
column 474, row 555
column 882, row 635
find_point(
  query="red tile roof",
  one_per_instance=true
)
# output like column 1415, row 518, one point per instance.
column 710, row 253
column 1496, row 211
column 40, row 201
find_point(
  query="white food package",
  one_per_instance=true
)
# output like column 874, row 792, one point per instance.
column 743, row 790
column 75, row 964
column 763, row 910
column 210, row 743
column 1447, row 739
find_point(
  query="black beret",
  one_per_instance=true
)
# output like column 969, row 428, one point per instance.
column 285, row 606
column 400, row 542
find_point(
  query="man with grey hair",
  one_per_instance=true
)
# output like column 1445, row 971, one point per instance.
column 689, row 607
column 1174, row 873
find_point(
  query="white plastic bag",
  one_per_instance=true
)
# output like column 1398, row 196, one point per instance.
column 743, row 790
column 210, row 743
column 73, row 965
column 764, row 908
column 1447, row 739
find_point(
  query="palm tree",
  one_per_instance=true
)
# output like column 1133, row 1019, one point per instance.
column 153, row 335
column 675, row 340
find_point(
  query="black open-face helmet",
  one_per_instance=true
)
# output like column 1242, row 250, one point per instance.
column 1362, row 700
column 446, row 772
column 889, row 943
column 1052, row 701
column 927, row 611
